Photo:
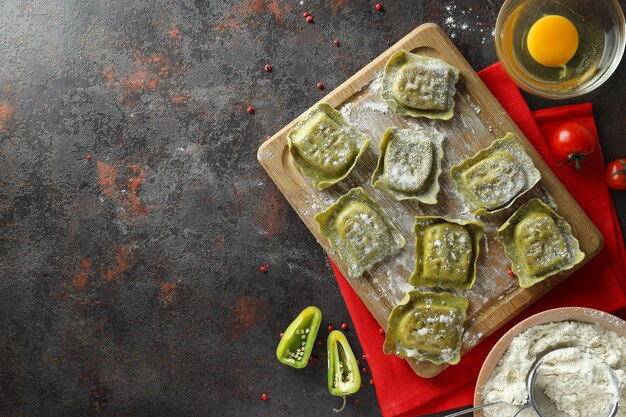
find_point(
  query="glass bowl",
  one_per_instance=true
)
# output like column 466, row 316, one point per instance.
column 605, row 21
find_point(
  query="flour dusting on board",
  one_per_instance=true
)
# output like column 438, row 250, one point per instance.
column 380, row 107
column 345, row 111
column 471, row 339
column 396, row 272
column 376, row 85
column 267, row 154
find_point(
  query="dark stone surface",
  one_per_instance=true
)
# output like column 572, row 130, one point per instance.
column 129, row 283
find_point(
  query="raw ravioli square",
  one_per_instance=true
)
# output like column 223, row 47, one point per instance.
column 360, row 231
column 416, row 85
column 410, row 164
column 539, row 243
column 495, row 177
column 446, row 251
column 427, row 326
column 325, row 146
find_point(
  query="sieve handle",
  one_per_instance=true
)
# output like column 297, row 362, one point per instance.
column 468, row 410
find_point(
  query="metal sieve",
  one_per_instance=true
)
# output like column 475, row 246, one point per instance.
column 541, row 404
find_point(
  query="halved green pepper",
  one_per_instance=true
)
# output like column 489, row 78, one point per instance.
column 297, row 342
column 343, row 371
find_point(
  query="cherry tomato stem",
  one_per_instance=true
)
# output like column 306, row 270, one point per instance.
column 576, row 158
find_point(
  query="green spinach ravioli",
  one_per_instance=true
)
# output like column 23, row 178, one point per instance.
column 410, row 164
column 360, row 231
column 419, row 86
column 325, row 146
column 446, row 252
column 492, row 179
column 539, row 243
column 427, row 326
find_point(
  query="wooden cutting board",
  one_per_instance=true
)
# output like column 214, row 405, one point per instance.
column 479, row 119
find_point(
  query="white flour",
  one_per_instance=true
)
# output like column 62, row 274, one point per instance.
column 508, row 381
column 578, row 382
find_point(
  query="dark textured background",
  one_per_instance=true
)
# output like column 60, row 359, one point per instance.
column 129, row 283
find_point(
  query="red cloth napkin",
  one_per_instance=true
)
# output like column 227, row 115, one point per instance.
column 600, row 284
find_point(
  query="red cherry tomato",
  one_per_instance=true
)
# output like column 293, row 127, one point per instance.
column 571, row 142
column 616, row 174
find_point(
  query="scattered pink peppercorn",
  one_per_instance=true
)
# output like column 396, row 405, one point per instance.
column 357, row 401
column 379, row 7
column 372, row 381
column 264, row 268
column 309, row 19
column 364, row 357
column 344, row 326
column 268, row 67
column 88, row 157
column 250, row 110
column 305, row 15
column 264, row 397
column 281, row 334
column 364, row 370
column 320, row 86
column 510, row 272
column 358, row 362
column 336, row 43
column 381, row 330
column 331, row 328
column 268, row 137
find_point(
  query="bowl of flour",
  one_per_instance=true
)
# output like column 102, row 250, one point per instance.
column 575, row 382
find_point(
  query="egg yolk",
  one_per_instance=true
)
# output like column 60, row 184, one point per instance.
column 552, row 41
